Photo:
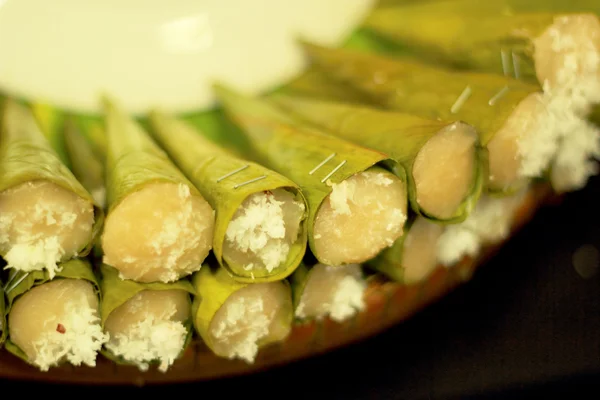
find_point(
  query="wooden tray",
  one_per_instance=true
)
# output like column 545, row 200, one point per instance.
column 387, row 304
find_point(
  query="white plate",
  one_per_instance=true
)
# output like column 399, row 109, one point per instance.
column 149, row 53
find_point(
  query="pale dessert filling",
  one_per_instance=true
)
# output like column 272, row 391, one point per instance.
column 149, row 327
column 58, row 321
column 419, row 257
column 361, row 216
column 489, row 223
column 262, row 231
column 444, row 170
column 334, row 291
column 249, row 318
column 42, row 224
column 567, row 58
column 159, row 233
column 524, row 146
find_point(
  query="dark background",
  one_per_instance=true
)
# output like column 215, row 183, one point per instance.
column 527, row 325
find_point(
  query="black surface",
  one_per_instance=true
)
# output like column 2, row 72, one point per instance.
column 527, row 325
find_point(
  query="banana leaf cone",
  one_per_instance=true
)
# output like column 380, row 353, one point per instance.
column 77, row 338
column 86, row 165
column 51, row 121
column 134, row 313
column 220, row 177
column 145, row 188
column 504, row 36
column 234, row 319
column 517, row 123
column 413, row 257
column 328, row 170
column 403, row 137
column 33, row 177
column 320, row 291
column 315, row 83
column 468, row 34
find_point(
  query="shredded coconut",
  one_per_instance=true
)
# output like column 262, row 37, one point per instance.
column 576, row 88
column 77, row 339
column 259, row 228
column 341, row 194
column 41, row 224
column 153, row 339
column 43, row 254
column 244, row 324
column 337, row 292
column 489, row 223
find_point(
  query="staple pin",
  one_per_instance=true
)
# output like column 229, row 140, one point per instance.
column 248, row 182
column 11, row 277
column 227, row 175
column 460, row 101
column 333, row 171
column 505, row 63
column 516, row 65
column 325, row 161
column 17, row 282
column 498, row 95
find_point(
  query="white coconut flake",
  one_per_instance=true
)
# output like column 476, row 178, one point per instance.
column 36, row 227
column 77, row 340
column 244, row 324
column 489, row 223
column 341, row 194
column 574, row 148
column 260, row 229
column 153, row 339
column 42, row 254
column 344, row 296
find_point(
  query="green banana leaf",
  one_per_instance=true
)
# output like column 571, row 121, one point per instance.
column 466, row 33
column 413, row 87
column 117, row 291
column 133, row 159
column 76, row 268
column 51, row 121
column 294, row 149
column 400, row 135
column 26, row 155
column 213, row 287
column 87, row 167
column 315, row 83
column 206, row 163
column 595, row 117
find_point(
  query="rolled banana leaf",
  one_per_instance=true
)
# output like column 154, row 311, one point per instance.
column 595, row 117
column 20, row 284
column 143, row 186
column 27, row 159
column 519, row 126
column 321, row 291
column 495, row 36
column 404, row 137
column 87, row 167
column 236, row 320
column 316, row 161
column 316, row 83
column 219, row 175
column 134, row 159
column 116, row 292
column 51, row 122
column 413, row 257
